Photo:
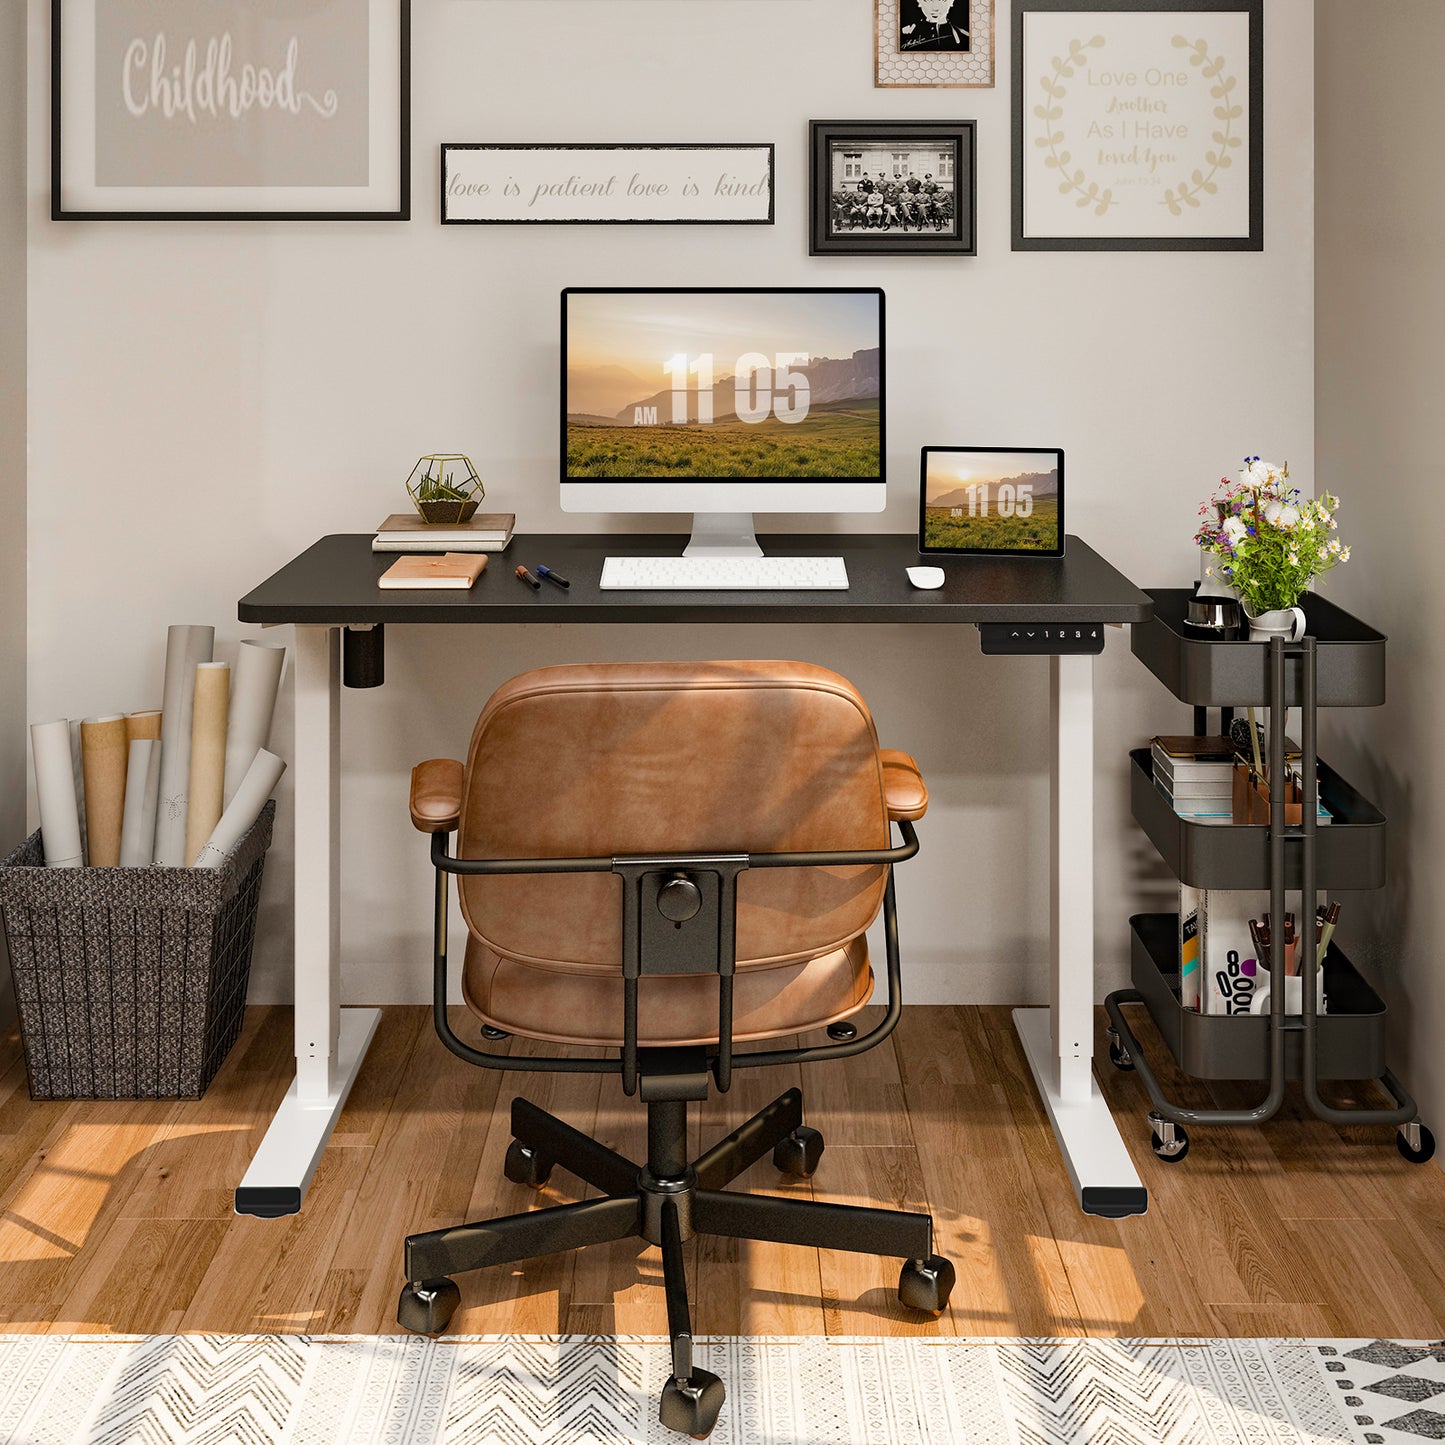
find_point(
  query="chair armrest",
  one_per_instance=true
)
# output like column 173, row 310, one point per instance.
column 436, row 795
column 904, row 790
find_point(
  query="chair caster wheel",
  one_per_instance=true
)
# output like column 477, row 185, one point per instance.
column 798, row 1154
column 1119, row 1056
column 525, row 1166
column 843, row 1033
column 1419, row 1150
column 925, row 1284
column 691, row 1406
column 1168, row 1140
column 426, row 1306
column 494, row 1035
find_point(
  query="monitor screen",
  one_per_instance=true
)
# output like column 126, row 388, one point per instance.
column 686, row 386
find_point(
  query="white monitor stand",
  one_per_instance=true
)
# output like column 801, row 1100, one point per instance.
column 722, row 534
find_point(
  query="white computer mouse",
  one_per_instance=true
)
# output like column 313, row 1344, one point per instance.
column 926, row 577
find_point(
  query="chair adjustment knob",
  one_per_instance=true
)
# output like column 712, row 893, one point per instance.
column 679, row 899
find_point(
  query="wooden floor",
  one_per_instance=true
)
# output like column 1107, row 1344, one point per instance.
column 117, row 1217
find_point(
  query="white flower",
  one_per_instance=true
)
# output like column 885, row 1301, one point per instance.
column 1235, row 530
column 1334, row 525
column 1334, row 546
column 1294, row 559
column 1284, row 515
column 1345, row 555
column 1257, row 473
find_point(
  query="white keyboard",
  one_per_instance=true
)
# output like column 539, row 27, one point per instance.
column 724, row 574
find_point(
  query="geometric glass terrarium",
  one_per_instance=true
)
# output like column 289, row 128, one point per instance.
column 445, row 487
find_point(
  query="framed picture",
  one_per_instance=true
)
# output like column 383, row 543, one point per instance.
column 991, row 501
column 1138, row 125
column 230, row 110
column 592, row 184
column 892, row 188
column 933, row 42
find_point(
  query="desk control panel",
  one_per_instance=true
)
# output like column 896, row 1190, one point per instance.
column 1037, row 639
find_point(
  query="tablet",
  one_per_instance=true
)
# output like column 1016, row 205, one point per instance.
column 991, row 501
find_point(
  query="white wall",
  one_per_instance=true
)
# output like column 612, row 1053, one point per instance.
column 12, row 446
column 228, row 392
column 1381, row 371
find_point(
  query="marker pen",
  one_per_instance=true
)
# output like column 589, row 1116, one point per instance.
column 530, row 580
column 545, row 571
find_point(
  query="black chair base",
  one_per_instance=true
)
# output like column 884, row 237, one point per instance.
column 666, row 1202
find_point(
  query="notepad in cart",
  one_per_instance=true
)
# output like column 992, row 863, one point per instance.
column 458, row 570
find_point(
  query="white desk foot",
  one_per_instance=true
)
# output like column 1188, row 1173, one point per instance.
column 1104, row 1176
column 285, row 1164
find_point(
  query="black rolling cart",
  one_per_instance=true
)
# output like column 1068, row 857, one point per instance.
column 1339, row 663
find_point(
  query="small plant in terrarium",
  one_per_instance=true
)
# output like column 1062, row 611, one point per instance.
column 445, row 487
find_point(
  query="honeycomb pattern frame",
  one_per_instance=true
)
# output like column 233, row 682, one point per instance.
column 936, row 69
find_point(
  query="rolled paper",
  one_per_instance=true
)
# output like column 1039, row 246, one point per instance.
column 253, row 703
column 55, row 792
column 103, row 763
column 260, row 780
column 185, row 648
column 138, row 827
column 208, row 753
column 141, row 725
column 144, row 726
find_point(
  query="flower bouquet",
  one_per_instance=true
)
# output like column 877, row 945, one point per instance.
column 1269, row 543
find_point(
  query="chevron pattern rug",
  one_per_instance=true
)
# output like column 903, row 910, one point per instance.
column 571, row 1390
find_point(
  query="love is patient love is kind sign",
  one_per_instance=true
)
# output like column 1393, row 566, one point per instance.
column 540, row 184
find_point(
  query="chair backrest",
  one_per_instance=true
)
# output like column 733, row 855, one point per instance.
column 671, row 757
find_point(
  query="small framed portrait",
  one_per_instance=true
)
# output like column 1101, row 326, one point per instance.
column 933, row 43
column 991, row 501
column 892, row 188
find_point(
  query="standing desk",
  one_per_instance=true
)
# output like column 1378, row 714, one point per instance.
column 331, row 588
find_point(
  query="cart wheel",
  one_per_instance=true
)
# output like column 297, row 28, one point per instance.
column 1175, row 1150
column 1120, row 1057
column 1420, row 1152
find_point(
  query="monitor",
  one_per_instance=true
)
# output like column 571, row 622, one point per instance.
column 723, row 403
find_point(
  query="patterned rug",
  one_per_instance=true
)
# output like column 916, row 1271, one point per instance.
column 571, row 1390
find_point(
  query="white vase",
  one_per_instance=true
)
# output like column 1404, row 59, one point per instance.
column 1286, row 622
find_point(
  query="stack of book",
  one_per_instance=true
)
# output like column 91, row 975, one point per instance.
column 1196, row 775
column 406, row 532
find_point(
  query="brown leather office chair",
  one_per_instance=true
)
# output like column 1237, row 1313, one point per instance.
column 667, row 859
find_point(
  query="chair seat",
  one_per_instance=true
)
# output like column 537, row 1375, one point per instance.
column 584, row 1005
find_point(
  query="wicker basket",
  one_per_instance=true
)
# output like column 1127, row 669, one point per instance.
column 131, row 982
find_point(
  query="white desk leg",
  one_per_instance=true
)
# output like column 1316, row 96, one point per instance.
column 330, row 1042
column 1059, row 1040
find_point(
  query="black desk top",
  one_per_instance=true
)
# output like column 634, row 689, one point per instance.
column 334, row 581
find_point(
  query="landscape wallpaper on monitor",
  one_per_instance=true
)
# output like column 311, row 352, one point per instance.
column 723, row 385
column 991, row 501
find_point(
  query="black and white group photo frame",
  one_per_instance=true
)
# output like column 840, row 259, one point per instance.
column 1138, row 125
column 892, row 188
column 229, row 110
column 933, row 43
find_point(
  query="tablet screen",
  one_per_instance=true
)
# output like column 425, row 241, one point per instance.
column 992, row 501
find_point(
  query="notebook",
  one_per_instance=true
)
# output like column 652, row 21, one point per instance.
column 451, row 569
